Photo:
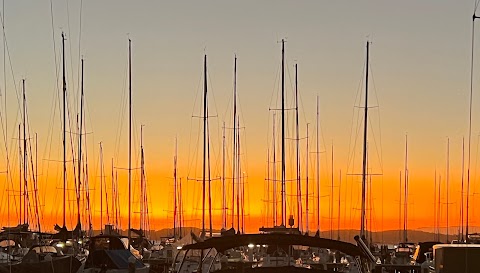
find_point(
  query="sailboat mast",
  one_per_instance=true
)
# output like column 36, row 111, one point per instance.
column 297, row 139
column 204, row 141
column 405, row 204
column 306, row 186
column 114, row 192
column 224, row 206
column 80, row 131
column 331, row 202
column 117, row 201
column 234, row 137
column 240, row 182
column 101, row 188
column 25, row 177
column 364, row 170
column 435, row 207
column 239, row 175
column 318, row 167
column 274, row 174
column 80, row 149
column 175, row 212
column 467, row 240
column 284, row 205
column 142, row 182
column 448, row 178
column 129, row 141
column 64, row 132
column 20, row 184
column 209, row 182
column 461, row 196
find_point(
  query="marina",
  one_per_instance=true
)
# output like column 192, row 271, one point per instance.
column 239, row 137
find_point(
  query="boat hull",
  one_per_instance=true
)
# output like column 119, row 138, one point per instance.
column 65, row 264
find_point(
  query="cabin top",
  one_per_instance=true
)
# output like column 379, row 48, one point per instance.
column 456, row 246
column 228, row 242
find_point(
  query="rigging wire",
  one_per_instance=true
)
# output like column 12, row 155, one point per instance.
column 5, row 48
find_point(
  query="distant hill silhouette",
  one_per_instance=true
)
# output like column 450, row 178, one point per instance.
column 394, row 236
column 380, row 237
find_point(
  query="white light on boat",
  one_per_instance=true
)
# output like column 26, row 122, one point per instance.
column 60, row 245
column 251, row 245
column 179, row 247
column 80, row 242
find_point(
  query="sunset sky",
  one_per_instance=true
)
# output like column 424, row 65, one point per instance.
column 420, row 86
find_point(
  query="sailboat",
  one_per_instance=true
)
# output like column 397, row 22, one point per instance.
column 271, row 250
column 113, row 254
column 141, row 242
column 45, row 258
column 63, row 233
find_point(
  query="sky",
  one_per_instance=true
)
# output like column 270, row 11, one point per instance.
column 420, row 86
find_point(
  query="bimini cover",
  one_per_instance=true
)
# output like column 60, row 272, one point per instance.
column 110, row 259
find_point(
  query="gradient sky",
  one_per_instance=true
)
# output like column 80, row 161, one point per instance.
column 420, row 62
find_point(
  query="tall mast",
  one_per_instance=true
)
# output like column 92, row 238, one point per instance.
column 234, row 137
column 209, row 182
column 80, row 150
column 204, row 141
column 370, row 204
column 20, row 185
column 364, row 170
column 284, row 204
column 239, row 176
column 175, row 212
column 461, row 196
column 297, row 139
column 129, row 140
column 470, row 128
column 25, row 177
column 405, row 204
column 224, row 205
column 448, row 177
column 64, row 132
column 240, row 182
column 331, row 202
column 142, row 181
column 275, row 207
column 318, row 167
column 101, row 188
column 114, row 207
column 435, row 207
column 87, row 193
column 306, row 186
column 117, row 201
column 268, row 180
